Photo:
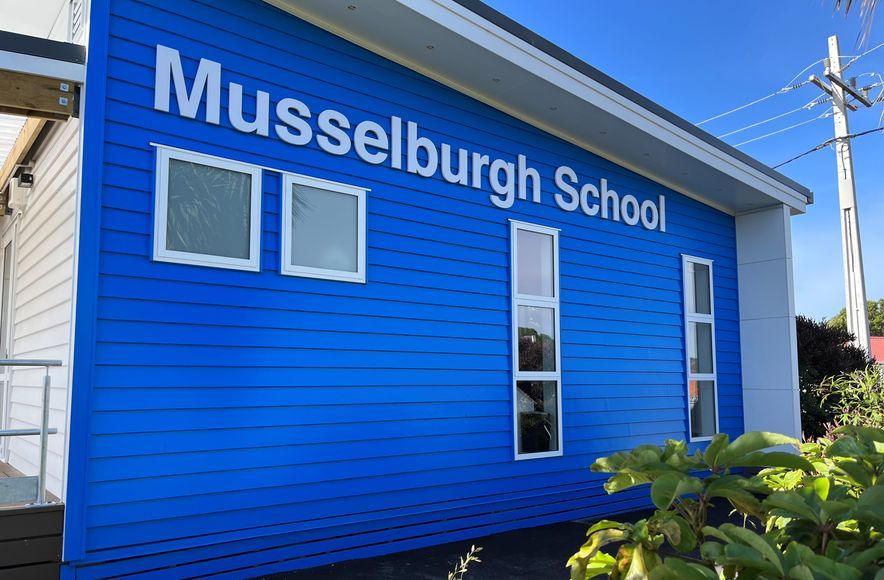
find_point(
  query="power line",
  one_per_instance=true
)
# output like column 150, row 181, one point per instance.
column 804, row 70
column 790, row 86
column 828, row 142
column 740, row 108
column 807, row 106
column 783, row 130
column 859, row 56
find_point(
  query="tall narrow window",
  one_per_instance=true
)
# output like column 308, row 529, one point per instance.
column 700, row 347
column 323, row 229
column 207, row 211
column 537, row 385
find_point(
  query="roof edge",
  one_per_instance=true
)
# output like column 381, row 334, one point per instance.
column 555, row 51
column 42, row 47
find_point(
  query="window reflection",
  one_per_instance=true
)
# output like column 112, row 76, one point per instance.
column 537, row 343
column 537, row 405
column 702, row 402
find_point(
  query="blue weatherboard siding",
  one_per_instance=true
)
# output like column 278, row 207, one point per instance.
column 250, row 422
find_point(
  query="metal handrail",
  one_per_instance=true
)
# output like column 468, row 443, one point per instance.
column 44, row 431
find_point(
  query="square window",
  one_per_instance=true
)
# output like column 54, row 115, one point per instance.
column 207, row 211
column 323, row 229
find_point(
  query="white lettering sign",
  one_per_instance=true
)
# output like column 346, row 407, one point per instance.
column 374, row 143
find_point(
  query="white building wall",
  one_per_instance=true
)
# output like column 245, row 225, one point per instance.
column 768, row 338
column 43, row 291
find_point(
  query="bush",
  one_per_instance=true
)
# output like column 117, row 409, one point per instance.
column 819, row 514
column 856, row 398
column 823, row 352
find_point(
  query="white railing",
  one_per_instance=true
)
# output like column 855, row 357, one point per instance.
column 44, row 431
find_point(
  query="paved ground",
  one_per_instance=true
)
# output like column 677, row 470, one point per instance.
column 536, row 554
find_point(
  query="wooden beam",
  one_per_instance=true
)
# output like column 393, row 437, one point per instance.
column 23, row 143
column 36, row 96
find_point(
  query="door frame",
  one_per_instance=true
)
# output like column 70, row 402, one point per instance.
column 9, row 237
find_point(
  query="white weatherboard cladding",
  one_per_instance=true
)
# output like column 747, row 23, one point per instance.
column 42, row 300
column 10, row 126
column 768, row 338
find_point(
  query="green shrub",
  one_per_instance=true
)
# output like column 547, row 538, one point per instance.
column 817, row 514
column 823, row 351
column 856, row 398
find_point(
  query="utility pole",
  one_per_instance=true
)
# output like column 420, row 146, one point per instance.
column 854, row 278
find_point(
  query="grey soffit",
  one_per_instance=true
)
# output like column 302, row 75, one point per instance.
column 508, row 24
column 42, row 47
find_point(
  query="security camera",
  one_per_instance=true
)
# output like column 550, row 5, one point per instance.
column 26, row 180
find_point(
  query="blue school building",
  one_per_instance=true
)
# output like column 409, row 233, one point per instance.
column 356, row 277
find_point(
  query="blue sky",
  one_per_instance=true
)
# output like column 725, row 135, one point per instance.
column 699, row 59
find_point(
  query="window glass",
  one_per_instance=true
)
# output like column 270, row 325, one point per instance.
column 537, row 407
column 700, row 347
column 325, row 229
column 535, row 264
column 702, row 402
column 537, row 342
column 208, row 210
column 700, row 302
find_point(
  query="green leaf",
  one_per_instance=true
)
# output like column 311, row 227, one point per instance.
column 870, row 507
column 792, row 505
column 731, row 488
column 677, row 531
column 856, row 472
column 590, row 557
column 870, row 434
column 757, row 542
column 749, row 558
column 866, row 558
column 670, row 486
column 643, row 561
column 826, row 569
column 600, row 564
column 675, row 569
column 821, row 486
column 604, row 525
column 799, row 572
column 623, row 481
column 774, row 459
column 848, row 447
column 717, row 445
column 750, row 443
column 716, row 533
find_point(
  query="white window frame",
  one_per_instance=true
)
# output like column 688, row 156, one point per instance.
column 286, row 267
column 161, row 209
column 687, row 287
column 552, row 302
